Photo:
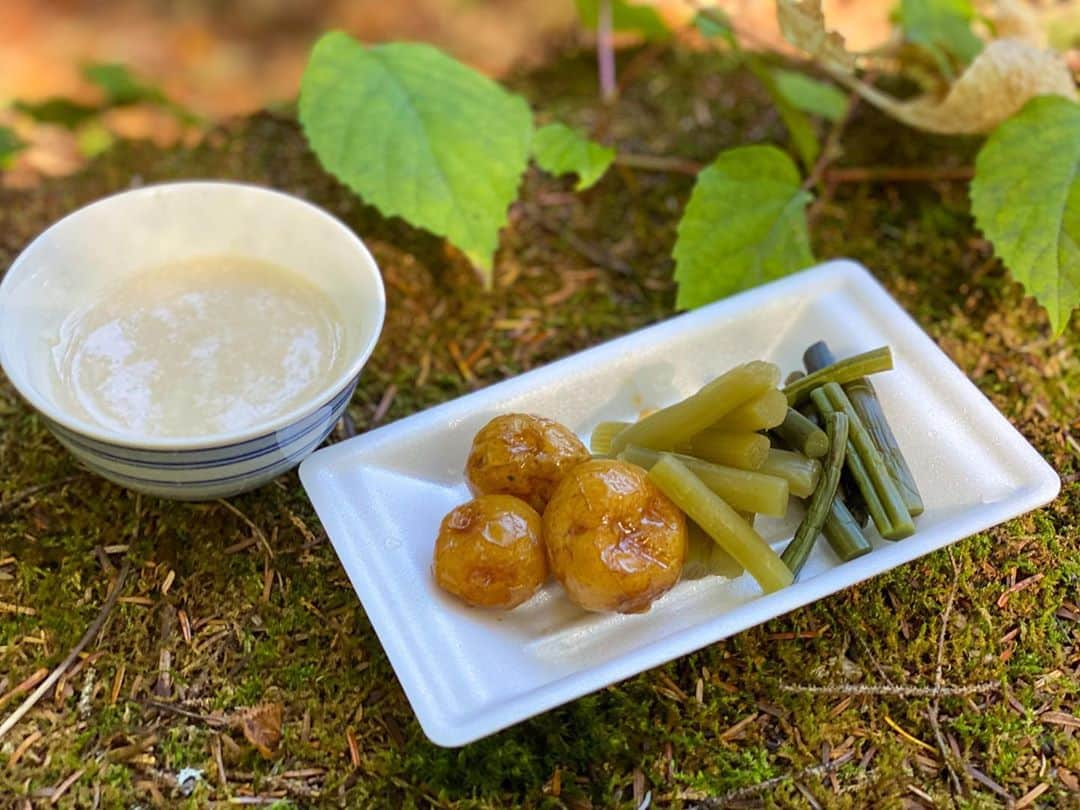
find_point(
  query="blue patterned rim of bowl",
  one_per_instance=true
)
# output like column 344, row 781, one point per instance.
column 216, row 472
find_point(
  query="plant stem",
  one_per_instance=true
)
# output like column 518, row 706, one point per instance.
column 831, row 149
column 605, row 52
column 658, row 163
column 898, row 174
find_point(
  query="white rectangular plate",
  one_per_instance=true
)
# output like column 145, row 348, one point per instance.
column 468, row 673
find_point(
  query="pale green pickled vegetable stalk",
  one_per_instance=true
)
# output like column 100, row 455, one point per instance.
column 800, row 472
column 721, row 523
column 747, row 451
column 675, row 424
column 602, row 434
column 704, row 558
column 767, row 411
column 746, row 491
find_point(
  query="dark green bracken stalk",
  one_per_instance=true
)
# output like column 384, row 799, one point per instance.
column 844, row 371
column 817, row 357
column 801, row 473
column 817, row 511
column 843, row 533
column 889, row 513
column 868, row 407
column 799, row 433
column 853, row 499
column 855, row 471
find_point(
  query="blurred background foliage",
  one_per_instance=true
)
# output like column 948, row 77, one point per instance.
column 216, row 59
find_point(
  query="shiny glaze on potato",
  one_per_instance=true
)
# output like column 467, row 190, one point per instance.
column 614, row 540
column 489, row 552
column 523, row 455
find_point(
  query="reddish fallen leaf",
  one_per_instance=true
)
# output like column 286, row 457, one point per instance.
column 262, row 727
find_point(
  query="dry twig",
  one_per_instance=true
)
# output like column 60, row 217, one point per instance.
column 9, row 504
column 769, row 784
column 259, row 534
column 932, row 712
column 658, row 163
column 898, row 174
column 894, row 691
column 55, row 675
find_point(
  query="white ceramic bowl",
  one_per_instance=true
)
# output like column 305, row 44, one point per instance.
column 70, row 264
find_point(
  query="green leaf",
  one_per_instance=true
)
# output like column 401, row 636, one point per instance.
column 418, row 135
column 715, row 24
column 625, row 17
column 120, row 86
column 94, row 139
column 10, row 145
column 800, row 128
column 558, row 149
column 745, row 224
column 810, row 95
column 1026, row 200
column 942, row 27
column 61, row 111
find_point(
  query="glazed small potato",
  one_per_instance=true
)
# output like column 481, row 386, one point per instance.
column 489, row 552
column 614, row 540
column 524, row 455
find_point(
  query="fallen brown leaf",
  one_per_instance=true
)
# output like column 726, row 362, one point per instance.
column 1068, row 779
column 1002, row 78
column 262, row 727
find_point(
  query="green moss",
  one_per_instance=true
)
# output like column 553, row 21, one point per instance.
column 309, row 644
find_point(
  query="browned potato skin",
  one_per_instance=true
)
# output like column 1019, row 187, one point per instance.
column 523, row 455
column 489, row 552
column 614, row 540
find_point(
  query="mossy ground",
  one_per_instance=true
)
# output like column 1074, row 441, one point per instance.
column 574, row 269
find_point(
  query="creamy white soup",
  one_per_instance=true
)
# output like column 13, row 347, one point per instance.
column 199, row 347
